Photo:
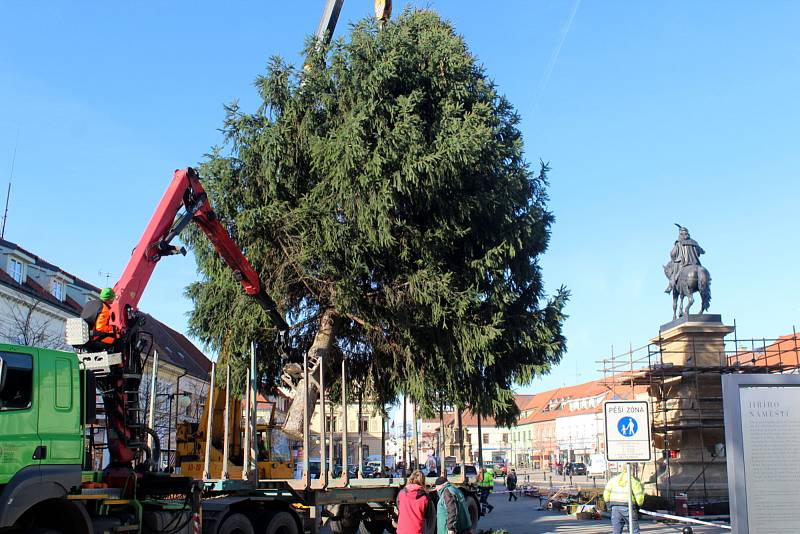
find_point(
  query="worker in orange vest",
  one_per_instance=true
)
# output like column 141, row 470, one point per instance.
column 97, row 314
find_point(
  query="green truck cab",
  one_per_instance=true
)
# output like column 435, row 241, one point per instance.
column 41, row 434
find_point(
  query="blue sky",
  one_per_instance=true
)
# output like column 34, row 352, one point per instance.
column 649, row 114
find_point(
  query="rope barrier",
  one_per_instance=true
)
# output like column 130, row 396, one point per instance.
column 685, row 519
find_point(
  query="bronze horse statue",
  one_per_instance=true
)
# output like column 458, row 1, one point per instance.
column 691, row 279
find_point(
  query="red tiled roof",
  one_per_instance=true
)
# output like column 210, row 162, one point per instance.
column 784, row 352
column 539, row 403
column 173, row 347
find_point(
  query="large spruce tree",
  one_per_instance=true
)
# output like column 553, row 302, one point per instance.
column 383, row 195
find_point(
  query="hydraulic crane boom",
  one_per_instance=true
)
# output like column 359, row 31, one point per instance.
column 330, row 16
column 120, row 383
column 187, row 192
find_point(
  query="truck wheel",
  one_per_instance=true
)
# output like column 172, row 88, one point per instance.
column 375, row 527
column 343, row 526
column 236, row 524
column 282, row 523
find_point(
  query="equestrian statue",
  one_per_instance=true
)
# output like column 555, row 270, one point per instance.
column 686, row 275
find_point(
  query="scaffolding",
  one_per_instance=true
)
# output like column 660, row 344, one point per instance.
column 685, row 396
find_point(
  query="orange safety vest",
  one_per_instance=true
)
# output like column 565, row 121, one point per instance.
column 103, row 324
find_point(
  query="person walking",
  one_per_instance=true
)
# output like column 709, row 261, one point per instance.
column 486, row 484
column 452, row 515
column 412, row 504
column 616, row 496
column 511, row 485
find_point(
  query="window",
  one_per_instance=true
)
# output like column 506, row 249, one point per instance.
column 63, row 384
column 15, row 269
column 364, row 425
column 330, row 424
column 18, row 385
column 486, row 439
column 505, row 438
column 57, row 289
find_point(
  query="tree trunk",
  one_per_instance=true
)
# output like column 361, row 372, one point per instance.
column 323, row 342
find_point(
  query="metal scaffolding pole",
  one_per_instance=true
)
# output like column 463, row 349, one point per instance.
column 226, row 447
column 405, row 441
column 306, row 425
column 253, row 467
column 209, row 423
column 246, row 444
column 151, row 412
column 345, row 473
column 360, row 436
column 416, row 440
column 323, row 460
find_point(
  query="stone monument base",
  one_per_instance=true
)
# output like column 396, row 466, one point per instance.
column 686, row 394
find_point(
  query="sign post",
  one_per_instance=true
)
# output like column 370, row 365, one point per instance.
column 627, row 426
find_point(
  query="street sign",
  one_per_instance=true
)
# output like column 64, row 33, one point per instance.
column 627, row 431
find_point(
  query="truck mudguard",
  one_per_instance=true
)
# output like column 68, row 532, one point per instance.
column 35, row 484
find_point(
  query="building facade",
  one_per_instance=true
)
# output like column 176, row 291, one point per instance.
column 36, row 299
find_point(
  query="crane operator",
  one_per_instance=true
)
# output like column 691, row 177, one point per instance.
column 97, row 314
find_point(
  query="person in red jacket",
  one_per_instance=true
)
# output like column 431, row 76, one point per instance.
column 412, row 503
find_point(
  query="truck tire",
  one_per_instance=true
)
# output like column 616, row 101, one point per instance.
column 343, row 526
column 236, row 524
column 376, row 527
column 282, row 523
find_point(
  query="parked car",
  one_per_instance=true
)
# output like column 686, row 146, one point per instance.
column 575, row 468
column 469, row 470
column 500, row 470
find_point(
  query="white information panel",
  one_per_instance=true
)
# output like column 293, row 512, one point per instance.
column 762, row 432
column 627, row 431
column 771, row 433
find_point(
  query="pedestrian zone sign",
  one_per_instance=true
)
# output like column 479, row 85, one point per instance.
column 627, row 431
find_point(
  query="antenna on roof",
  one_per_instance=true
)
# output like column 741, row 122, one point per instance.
column 108, row 275
column 8, row 193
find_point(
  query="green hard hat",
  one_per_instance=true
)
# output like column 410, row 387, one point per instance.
column 107, row 294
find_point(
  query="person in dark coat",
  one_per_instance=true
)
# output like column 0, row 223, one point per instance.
column 511, row 485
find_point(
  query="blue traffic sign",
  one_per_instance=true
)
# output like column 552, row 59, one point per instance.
column 627, row 426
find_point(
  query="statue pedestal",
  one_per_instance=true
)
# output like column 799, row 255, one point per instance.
column 693, row 340
column 686, row 393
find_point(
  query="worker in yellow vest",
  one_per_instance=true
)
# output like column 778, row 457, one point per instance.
column 616, row 496
column 486, row 485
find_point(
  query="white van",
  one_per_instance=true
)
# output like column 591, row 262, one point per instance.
column 597, row 465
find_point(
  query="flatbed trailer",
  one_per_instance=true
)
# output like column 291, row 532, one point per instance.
column 267, row 504
column 367, row 502
column 47, row 401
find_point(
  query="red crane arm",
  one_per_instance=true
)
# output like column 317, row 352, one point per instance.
column 185, row 191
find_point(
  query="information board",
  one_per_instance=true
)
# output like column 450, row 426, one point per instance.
column 627, row 431
column 762, row 430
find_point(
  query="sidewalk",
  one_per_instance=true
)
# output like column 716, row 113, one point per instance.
column 522, row 517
